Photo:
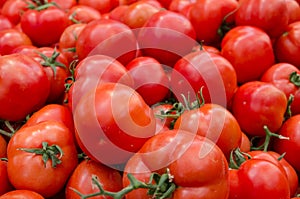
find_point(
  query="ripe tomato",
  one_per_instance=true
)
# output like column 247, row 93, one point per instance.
column 238, row 42
column 286, row 78
column 103, row 6
column 197, row 166
column 3, row 145
column 41, row 157
column 245, row 144
column 268, row 15
column 117, row 13
column 293, row 10
column 4, row 181
column 5, row 23
column 83, row 14
column 65, row 4
column 26, row 86
column 81, row 179
column 21, row 194
column 153, row 88
column 107, row 37
column 256, row 104
column 12, row 9
column 112, row 117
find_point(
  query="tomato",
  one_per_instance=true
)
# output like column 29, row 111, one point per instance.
column 163, row 123
column 10, row 39
column 3, row 145
column 179, row 5
column 21, row 194
column 5, row 184
column 208, row 70
column 238, row 42
column 118, row 12
column 256, row 104
column 245, row 144
column 112, row 117
column 290, row 128
column 18, row 97
column 44, row 27
column 5, row 23
column 287, row 45
column 208, row 16
column 293, row 10
column 103, row 6
column 65, row 4
column 83, row 14
column 286, row 78
column 166, row 36
column 213, row 122
column 12, row 9
column 197, row 166
column 41, row 157
column 107, row 37
column 270, row 16
column 153, row 88
column 110, row 179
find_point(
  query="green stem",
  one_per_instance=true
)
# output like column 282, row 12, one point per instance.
column 295, row 78
column 288, row 112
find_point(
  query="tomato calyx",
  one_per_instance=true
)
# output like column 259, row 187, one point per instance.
column 159, row 187
column 226, row 26
column 237, row 157
column 295, row 78
column 53, row 152
column 40, row 5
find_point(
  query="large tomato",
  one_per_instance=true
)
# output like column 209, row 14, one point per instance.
column 21, row 194
column 5, row 184
column 112, row 122
column 83, row 14
column 103, row 6
column 12, row 9
column 24, row 86
column 41, row 157
column 196, row 165
column 249, row 61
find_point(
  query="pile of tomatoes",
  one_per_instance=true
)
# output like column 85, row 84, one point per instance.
column 150, row 99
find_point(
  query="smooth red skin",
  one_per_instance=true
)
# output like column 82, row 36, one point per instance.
column 99, row 37
column 12, row 9
column 287, row 45
column 128, row 129
column 103, row 6
column 207, row 17
column 44, row 27
column 213, row 122
column 11, row 39
column 256, row 104
column 290, row 128
column 208, row 70
column 254, row 180
column 110, row 179
column 3, row 145
column 4, row 181
column 205, row 177
column 118, row 12
column 179, row 5
column 293, row 10
column 27, row 170
column 238, row 42
column 65, row 4
column 245, row 144
column 278, row 75
column 68, row 40
column 270, row 16
column 166, row 46
column 5, row 23
column 150, row 79
column 83, row 13
column 234, row 187
column 25, row 81
column 21, row 194
column 162, row 124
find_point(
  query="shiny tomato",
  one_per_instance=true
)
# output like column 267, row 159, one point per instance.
column 5, row 23
column 41, row 157
column 256, row 104
column 20, row 193
column 65, row 4
column 238, row 42
column 5, row 184
column 293, row 10
column 3, row 145
column 103, row 6
column 118, row 12
column 81, row 179
column 83, row 14
column 245, row 144
column 12, row 9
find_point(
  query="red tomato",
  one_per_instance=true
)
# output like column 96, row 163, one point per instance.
column 112, row 117
column 3, row 145
column 238, row 42
column 12, row 9
column 103, row 6
column 166, row 36
column 107, row 37
column 179, row 5
column 65, row 4
column 207, row 17
column 256, row 104
column 245, row 144
column 117, row 13
column 153, row 88
column 21, row 194
column 18, row 97
column 271, row 16
column 44, row 27
column 293, row 10
column 81, row 179
column 46, row 168
column 286, row 78
column 287, row 45
column 197, row 165
column 5, row 23
column 83, row 14
column 11, row 39
column 4, row 181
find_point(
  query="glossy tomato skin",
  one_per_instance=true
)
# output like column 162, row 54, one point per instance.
column 44, row 179
column 238, row 42
column 102, row 6
column 279, row 75
column 116, row 115
column 34, row 90
column 44, row 27
column 3, row 145
column 293, row 10
column 256, row 104
column 182, row 153
column 110, row 179
column 12, row 9
column 287, row 45
column 245, row 145
column 21, row 194
column 5, row 184
column 83, row 14
column 5, row 23
column 270, row 16
column 207, row 17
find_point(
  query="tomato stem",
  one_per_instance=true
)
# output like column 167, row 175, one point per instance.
column 295, row 78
